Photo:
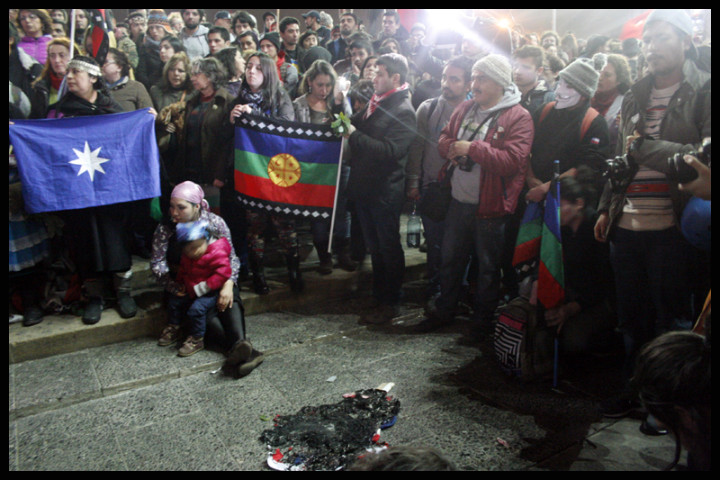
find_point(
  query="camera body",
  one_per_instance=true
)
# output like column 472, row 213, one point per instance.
column 680, row 171
column 621, row 169
column 465, row 163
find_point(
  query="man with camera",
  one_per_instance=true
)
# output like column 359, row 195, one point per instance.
column 664, row 114
column 487, row 143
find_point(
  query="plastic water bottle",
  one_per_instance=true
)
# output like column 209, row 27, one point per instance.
column 414, row 229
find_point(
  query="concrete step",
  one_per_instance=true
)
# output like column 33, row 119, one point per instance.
column 67, row 333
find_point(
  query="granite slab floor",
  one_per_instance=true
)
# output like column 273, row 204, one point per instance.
column 136, row 406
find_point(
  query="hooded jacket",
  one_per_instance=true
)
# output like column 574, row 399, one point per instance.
column 207, row 273
column 502, row 155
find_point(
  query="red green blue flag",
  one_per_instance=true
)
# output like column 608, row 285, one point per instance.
column 551, row 273
column 286, row 168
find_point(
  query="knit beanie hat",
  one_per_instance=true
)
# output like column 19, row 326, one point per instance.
column 273, row 37
column 159, row 17
column 582, row 76
column 497, row 67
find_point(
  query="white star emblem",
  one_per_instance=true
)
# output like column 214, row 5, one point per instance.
column 89, row 161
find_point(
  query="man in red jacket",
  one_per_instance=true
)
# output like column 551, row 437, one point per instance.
column 204, row 269
column 487, row 144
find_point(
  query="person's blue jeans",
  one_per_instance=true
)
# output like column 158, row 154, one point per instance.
column 380, row 223
column 195, row 309
column 465, row 233
column 652, row 286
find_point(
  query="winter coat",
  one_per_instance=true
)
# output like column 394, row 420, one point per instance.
column 207, row 273
column 379, row 149
column 502, row 156
column 216, row 140
column 686, row 123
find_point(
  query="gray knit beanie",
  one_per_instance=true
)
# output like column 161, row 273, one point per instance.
column 496, row 67
column 582, row 76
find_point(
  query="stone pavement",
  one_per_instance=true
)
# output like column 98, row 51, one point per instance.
column 120, row 402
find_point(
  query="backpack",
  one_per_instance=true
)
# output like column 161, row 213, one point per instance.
column 519, row 350
column 590, row 115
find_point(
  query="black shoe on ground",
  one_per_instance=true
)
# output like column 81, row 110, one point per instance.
column 649, row 426
column 93, row 311
column 126, row 306
column 239, row 353
column 32, row 316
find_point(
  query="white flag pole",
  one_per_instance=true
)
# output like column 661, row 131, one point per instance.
column 337, row 190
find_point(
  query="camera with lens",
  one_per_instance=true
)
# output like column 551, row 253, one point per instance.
column 681, row 172
column 465, row 163
column 620, row 170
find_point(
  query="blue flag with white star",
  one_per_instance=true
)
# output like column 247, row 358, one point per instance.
column 81, row 162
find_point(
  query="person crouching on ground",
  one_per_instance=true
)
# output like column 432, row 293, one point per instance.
column 204, row 269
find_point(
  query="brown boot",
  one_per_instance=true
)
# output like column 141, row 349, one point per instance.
column 169, row 335
column 191, row 346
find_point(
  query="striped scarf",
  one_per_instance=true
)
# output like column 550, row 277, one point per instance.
column 376, row 99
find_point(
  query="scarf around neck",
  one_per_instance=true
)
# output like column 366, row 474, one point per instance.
column 376, row 99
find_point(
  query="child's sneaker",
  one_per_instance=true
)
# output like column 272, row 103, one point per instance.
column 190, row 346
column 169, row 336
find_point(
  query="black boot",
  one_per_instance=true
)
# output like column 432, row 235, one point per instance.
column 258, row 272
column 297, row 284
column 126, row 306
column 326, row 265
column 93, row 309
column 344, row 261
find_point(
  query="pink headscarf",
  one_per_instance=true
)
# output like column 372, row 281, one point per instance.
column 190, row 192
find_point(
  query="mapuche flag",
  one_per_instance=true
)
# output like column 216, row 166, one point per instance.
column 551, row 272
column 81, row 162
column 539, row 245
column 286, row 168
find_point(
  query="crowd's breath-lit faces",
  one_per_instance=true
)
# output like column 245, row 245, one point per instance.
column 383, row 82
column 370, row 69
column 571, row 212
column 486, row 92
column 453, row 85
column 191, row 19
column 389, row 26
column 59, row 57
column 182, row 211
column 664, row 49
column 80, row 82
column 111, row 70
column 358, row 57
column 156, row 32
column 202, row 83
column 30, row 23
column 138, row 26
column 525, row 73
column 58, row 31
column 253, row 74
column 216, row 42
column 177, row 74
column 247, row 43
column 291, row 34
column 321, row 86
column 310, row 41
column 195, row 249
column 608, row 79
column 269, row 49
column 166, row 51
column 347, row 25
column 81, row 20
column 241, row 27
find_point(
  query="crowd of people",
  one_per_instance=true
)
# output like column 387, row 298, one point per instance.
column 491, row 119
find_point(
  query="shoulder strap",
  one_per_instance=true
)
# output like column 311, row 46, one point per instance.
column 589, row 117
column 587, row 121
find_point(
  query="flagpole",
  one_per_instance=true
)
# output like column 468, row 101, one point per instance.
column 556, row 179
column 337, row 189
column 72, row 33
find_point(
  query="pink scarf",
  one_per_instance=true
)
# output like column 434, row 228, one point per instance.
column 376, row 99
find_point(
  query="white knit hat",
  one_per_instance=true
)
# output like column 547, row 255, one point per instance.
column 496, row 67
